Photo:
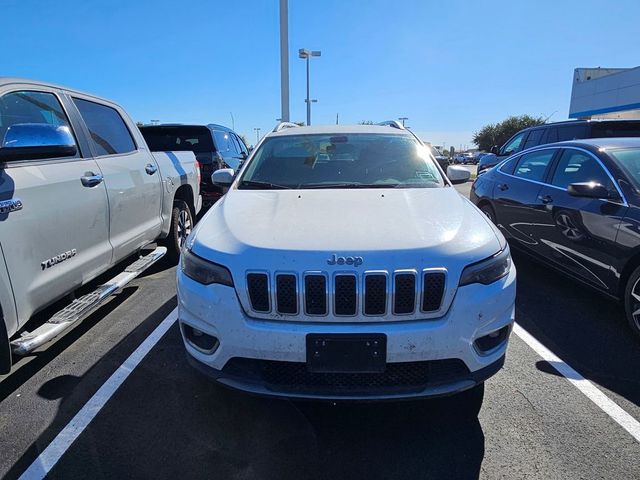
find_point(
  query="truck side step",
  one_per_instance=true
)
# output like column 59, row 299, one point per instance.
column 81, row 307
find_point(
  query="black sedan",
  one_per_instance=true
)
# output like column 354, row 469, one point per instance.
column 576, row 206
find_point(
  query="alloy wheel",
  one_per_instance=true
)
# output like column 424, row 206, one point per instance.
column 184, row 227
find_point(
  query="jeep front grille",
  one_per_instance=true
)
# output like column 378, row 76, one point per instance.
column 345, row 294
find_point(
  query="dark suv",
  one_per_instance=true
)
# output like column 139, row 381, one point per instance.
column 214, row 146
column 558, row 132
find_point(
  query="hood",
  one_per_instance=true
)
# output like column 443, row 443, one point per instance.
column 301, row 229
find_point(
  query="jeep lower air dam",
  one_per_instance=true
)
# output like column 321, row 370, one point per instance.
column 343, row 265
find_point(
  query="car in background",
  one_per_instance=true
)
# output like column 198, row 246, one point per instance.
column 558, row 132
column 214, row 146
column 575, row 206
column 469, row 158
column 362, row 273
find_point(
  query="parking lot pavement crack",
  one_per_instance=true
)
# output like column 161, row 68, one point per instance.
column 529, row 402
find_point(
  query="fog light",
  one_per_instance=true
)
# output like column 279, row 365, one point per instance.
column 492, row 340
column 203, row 342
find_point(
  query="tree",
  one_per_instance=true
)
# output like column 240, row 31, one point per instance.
column 498, row 133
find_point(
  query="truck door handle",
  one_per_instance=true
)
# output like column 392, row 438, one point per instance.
column 503, row 187
column 150, row 169
column 546, row 199
column 90, row 179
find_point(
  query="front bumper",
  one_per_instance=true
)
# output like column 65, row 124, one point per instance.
column 267, row 357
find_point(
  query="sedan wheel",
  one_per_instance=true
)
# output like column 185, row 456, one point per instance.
column 488, row 211
column 632, row 301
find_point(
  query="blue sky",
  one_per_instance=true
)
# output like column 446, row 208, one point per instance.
column 450, row 66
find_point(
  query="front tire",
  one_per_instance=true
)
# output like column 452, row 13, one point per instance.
column 181, row 226
column 632, row 302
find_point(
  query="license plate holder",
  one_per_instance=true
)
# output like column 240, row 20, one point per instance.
column 346, row 353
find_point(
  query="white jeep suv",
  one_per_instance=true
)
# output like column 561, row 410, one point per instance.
column 342, row 264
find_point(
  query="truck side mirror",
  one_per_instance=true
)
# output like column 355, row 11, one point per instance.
column 27, row 141
column 458, row 174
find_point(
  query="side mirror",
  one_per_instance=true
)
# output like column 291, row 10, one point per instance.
column 494, row 149
column 458, row 174
column 223, row 177
column 30, row 141
column 589, row 190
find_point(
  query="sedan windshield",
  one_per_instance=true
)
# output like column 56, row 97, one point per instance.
column 341, row 161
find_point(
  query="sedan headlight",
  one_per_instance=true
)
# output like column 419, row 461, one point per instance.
column 203, row 271
column 489, row 270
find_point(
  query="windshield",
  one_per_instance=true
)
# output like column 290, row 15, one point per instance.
column 192, row 139
column 629, row 160
column 341, row 161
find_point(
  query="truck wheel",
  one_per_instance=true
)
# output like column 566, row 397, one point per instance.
column 181, row 226
column 632, row 302
column 5, row 349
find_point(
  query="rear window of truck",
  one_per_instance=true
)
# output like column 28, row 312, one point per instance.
column 193, row 139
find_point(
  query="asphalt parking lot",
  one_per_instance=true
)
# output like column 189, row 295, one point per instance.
column 166, row 421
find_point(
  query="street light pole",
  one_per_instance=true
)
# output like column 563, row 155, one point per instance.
column 284, row 59
column 306, row 54
column 257, row 129
column 403, row 119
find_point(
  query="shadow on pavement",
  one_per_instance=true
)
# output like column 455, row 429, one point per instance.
column 26, row 367
column 582, row 327
column 74, row 391
column 168, row 421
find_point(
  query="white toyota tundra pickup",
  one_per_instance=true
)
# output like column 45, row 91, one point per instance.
column 342, row 264
column 79, row 192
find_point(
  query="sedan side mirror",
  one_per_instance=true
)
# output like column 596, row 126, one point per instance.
column 223, row 177
column 494, row 149
column 589, row 190
column 458, row 174
column 30, row 141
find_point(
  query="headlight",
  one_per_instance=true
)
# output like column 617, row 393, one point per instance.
column 203, row 271
column 489, row 270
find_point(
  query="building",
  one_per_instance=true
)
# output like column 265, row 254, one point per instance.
column 609, row 93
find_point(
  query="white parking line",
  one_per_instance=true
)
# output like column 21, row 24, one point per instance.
column 50, row 456
column 592, row 392
column 54, row 451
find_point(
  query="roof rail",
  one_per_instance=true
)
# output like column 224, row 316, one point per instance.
column 284, row 125
column 392, row 124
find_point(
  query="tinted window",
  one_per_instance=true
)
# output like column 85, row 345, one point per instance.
column 243, row 147
column 571, row 132
column 533, row 166
column 235, row 144
column 30, row 107
column 109, row 134
column 342, row 161
column 507, row 167
column 576, row 166
column 223, row 142
column 615, row 129
column 513, row 145
column 534, row 138
column 551, row 135
column 194, row 139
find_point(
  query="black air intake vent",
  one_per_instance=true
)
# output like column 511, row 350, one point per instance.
column 286, row 294
column 315, row 294
column 258, row 286
column 375, row 294
column 433, row 289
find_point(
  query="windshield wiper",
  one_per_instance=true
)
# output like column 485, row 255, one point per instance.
column 348, row 185
column 254, row 184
